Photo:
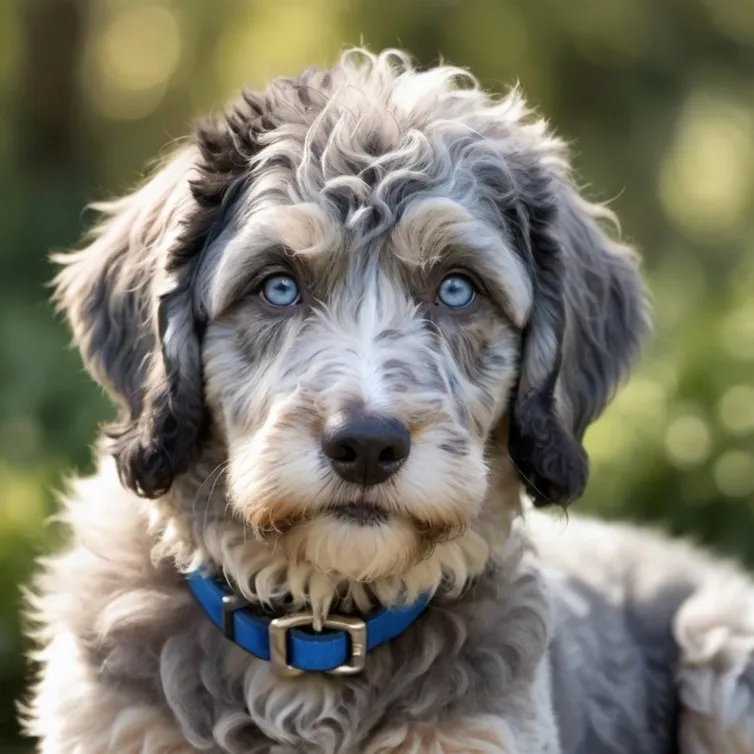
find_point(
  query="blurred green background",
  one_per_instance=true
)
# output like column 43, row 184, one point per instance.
column 656, row 95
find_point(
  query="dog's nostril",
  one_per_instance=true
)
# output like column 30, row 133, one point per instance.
column 363, row 448
column 388, row 455
column 344, row 453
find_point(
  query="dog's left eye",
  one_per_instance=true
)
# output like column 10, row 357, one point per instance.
column 280, row 290
column 456, row 291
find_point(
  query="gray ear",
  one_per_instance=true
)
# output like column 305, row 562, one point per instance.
column 589, row 320
column 128, row 299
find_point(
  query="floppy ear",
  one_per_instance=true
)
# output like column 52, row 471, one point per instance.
column 131, row 300
column 588, row 322
column 128, row 297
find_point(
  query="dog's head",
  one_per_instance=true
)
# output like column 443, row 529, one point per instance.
column 374, row 289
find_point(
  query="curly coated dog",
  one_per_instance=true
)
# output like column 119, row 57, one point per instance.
column 354, row 327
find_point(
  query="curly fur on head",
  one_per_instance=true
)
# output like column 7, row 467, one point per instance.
column 368, row 183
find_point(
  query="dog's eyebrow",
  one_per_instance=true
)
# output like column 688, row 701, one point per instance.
column 269, row 236
column 439, row 230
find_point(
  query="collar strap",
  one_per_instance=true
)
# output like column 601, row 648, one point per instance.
column 341, row 648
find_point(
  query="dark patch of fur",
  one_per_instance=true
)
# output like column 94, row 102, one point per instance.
column 455, row 446
column 552, row 464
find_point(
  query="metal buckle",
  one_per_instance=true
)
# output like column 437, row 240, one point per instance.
column 231, row 603
column 354, row 627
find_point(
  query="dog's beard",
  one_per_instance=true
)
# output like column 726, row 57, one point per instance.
column 331, row 560
column 348, row 549
column 360, row 540
column 357, row 541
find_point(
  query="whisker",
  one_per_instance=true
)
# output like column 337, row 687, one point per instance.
column 222, row 469
column 533, row 486
column 217, row 472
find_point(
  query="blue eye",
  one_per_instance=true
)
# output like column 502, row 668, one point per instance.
column 456, row 291
column 280, row 290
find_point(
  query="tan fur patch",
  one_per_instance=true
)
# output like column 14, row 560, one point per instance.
column 705, row 734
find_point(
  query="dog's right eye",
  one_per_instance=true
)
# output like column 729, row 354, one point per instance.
column 280, row 290
column 456, row 291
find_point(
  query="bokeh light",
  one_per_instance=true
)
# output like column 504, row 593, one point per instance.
column 134, row 53
column 688, row 441
column 734, row 473
column 706, row 177
column 736, row 409
column 251, row 49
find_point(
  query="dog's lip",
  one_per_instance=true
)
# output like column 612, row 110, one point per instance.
column 362, row 512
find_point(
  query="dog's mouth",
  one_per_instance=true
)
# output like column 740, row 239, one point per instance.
column 360, row 513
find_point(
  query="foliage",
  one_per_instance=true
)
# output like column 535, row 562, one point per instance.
column 657, row 97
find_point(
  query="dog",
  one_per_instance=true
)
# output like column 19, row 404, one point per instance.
column 355, row 329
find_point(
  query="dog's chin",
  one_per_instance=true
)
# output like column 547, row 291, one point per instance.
column 360, row 513
column 358, row 542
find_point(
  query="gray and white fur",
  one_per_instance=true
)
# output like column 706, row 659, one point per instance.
column 369, row 184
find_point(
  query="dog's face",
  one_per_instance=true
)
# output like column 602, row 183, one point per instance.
column 371, row 288
column 358, row 375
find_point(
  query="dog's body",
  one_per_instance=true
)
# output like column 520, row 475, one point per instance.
column 604, row 639
column 344, row 328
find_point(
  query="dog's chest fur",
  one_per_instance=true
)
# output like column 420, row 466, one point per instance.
column 140, row 636
column 473, row 657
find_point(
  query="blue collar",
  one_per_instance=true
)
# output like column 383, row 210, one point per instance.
column 340, row 649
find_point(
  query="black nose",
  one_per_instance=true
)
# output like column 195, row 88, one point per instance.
column 365, row 449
